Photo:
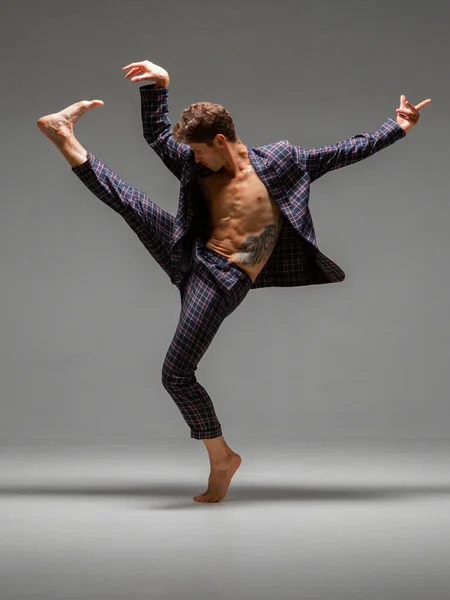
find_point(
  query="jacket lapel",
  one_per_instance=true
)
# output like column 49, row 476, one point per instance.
column 268, row 175
column 190, row 174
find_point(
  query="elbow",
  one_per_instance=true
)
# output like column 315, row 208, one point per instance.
column 150, row 139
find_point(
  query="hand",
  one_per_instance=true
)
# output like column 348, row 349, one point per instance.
column 145, row 71
column 407, row 114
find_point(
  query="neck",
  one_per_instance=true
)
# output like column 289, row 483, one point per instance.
column 237, row 159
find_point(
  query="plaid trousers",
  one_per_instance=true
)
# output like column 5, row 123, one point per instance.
column 205, row 301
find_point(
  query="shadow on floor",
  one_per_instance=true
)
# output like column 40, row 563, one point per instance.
column 237, row 492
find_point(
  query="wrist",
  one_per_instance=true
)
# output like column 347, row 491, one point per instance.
column 162, row 82
column 406, row 126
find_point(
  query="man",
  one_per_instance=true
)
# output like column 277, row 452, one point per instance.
column 242, row 223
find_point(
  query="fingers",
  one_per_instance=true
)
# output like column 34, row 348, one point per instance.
column 137, row 69
column 134, row 71
column 404, row 103
column 141, row 64
column 410, row 115
column 145, row 71
column 405, row 116
column 408, row 108
column 408, row 112
column 412, row 109
column 135, row 64
column 423, row 103
column 137, row 76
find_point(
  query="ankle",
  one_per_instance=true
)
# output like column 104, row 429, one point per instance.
column 72, row 151
column 222, row 461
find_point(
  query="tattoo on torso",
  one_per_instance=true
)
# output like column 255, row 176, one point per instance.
column 255, row 249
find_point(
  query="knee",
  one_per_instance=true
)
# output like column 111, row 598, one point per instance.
column 166, row 377
column 173, row 379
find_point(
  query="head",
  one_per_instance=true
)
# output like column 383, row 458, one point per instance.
column 209, row 130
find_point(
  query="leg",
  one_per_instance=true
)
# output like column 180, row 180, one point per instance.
column 204, row 307
column 202, row 312
column 152, row 225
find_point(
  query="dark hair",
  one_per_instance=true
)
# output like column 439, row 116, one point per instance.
column 202, row 121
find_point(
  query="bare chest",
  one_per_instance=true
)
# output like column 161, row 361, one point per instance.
column 243, row 201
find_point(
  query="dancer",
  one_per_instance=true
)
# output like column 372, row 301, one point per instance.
column 242, row 223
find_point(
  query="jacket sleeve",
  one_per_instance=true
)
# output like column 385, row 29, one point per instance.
column 319, row 161
column 157, row 128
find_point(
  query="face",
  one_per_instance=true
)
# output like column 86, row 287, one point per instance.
column 210, row 156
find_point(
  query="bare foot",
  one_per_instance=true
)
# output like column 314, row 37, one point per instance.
column 60, row 125
column 220, row 479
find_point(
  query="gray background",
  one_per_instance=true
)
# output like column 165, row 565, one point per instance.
column 336, row 396
column 86, row 316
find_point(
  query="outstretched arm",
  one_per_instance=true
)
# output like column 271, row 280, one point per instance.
column 157, row 128
column 319, row 161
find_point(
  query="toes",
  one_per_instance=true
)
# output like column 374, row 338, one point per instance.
column 209, row 498
column 202, row 498
column 91, row 103
column 85, row 104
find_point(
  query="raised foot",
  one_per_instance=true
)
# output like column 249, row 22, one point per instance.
column 60, row 124
column 219, row 480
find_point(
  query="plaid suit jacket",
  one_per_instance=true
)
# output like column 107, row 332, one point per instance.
column 285, row 169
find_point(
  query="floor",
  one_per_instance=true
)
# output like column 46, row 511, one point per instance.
column 312, row 522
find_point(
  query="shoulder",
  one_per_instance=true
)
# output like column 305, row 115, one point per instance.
column 276, row 151
column 273, row 147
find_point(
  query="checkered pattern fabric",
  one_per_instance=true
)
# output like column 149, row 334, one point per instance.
column 211, row 287
column 205, row 305
column 152, row 225
column 213, row 290
column 285, row 169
